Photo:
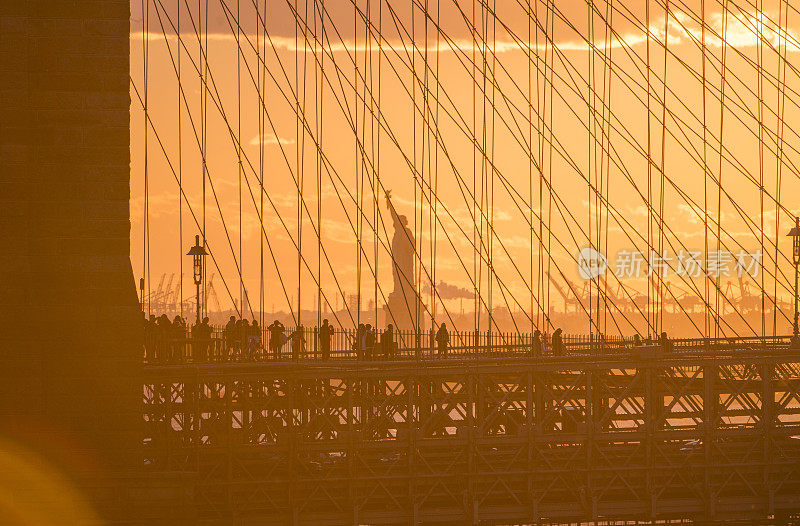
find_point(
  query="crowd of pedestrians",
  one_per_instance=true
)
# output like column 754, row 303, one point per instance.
column 242, row 339
column 172, row 341
column 165, row 341
column 369, row 345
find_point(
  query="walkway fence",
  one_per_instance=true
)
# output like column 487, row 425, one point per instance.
column 165, row 347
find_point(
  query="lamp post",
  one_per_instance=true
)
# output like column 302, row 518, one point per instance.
column 795, row 235
column 198, row 253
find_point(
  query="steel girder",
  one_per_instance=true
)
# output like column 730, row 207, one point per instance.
column 492, row 441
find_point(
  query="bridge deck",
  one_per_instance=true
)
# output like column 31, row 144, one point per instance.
column 707, row 434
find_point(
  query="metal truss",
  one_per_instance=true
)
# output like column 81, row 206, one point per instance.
column 504, row 441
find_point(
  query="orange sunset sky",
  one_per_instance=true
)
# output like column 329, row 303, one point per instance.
column 422, row 137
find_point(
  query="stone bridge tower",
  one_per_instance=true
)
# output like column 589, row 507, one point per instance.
column 70, row 337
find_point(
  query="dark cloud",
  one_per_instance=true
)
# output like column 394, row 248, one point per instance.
column 447, row 291
column 454, row 17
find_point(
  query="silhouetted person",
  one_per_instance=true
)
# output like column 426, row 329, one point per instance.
column 242, row 339
column 637, row 340
column 201, row 338
column 359, row 343
column 178, row 338
column 536, row 345
column 298, row 339
column 253, row 339
column 325, row 333
column 665, row 343
column 558, row 343
column 240, row 336
column 442, row 339
column 369, row 342
column 164, row 336
column 276, row 329
column 387, row 342
column 229, row 335
column 236, row 331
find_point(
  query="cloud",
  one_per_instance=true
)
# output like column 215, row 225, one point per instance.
column 270, row 138
column 740, row 31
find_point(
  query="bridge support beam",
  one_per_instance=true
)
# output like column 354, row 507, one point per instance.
column 660, row 443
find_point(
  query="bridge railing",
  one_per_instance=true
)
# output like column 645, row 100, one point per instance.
column 178, row 346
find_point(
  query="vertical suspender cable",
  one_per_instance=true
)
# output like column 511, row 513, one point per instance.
column 660, row 326
column 180, row 166
column 596, row 192
column 427, row 138
column 146, row 230
column 423, row 115
column 490, row 246
column 239, row 152
column 435, row 203
column 475, row 275
column 413, row 277
column 542, row 278
column 357, row 164
column 301, row 171
column 368, row 168
column 318, row 98
column 530, row 142
column 427, row 152
column 649, row 176
column 551, row 17
column 781, row 78
column 374, row 171
column 483, row 153
column 760, row 88
column 203, row 28
column 300, row 143
column 262, row 167
column 704, row 51
column 591, row 127
column 721, row 158
column 377, row 171
column 607, row 64
column 482, row 180
column 201, row 59
column 261, row 55
column 378, row 138
column 544, row 163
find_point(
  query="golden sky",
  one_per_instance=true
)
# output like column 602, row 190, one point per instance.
column 449, row 135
